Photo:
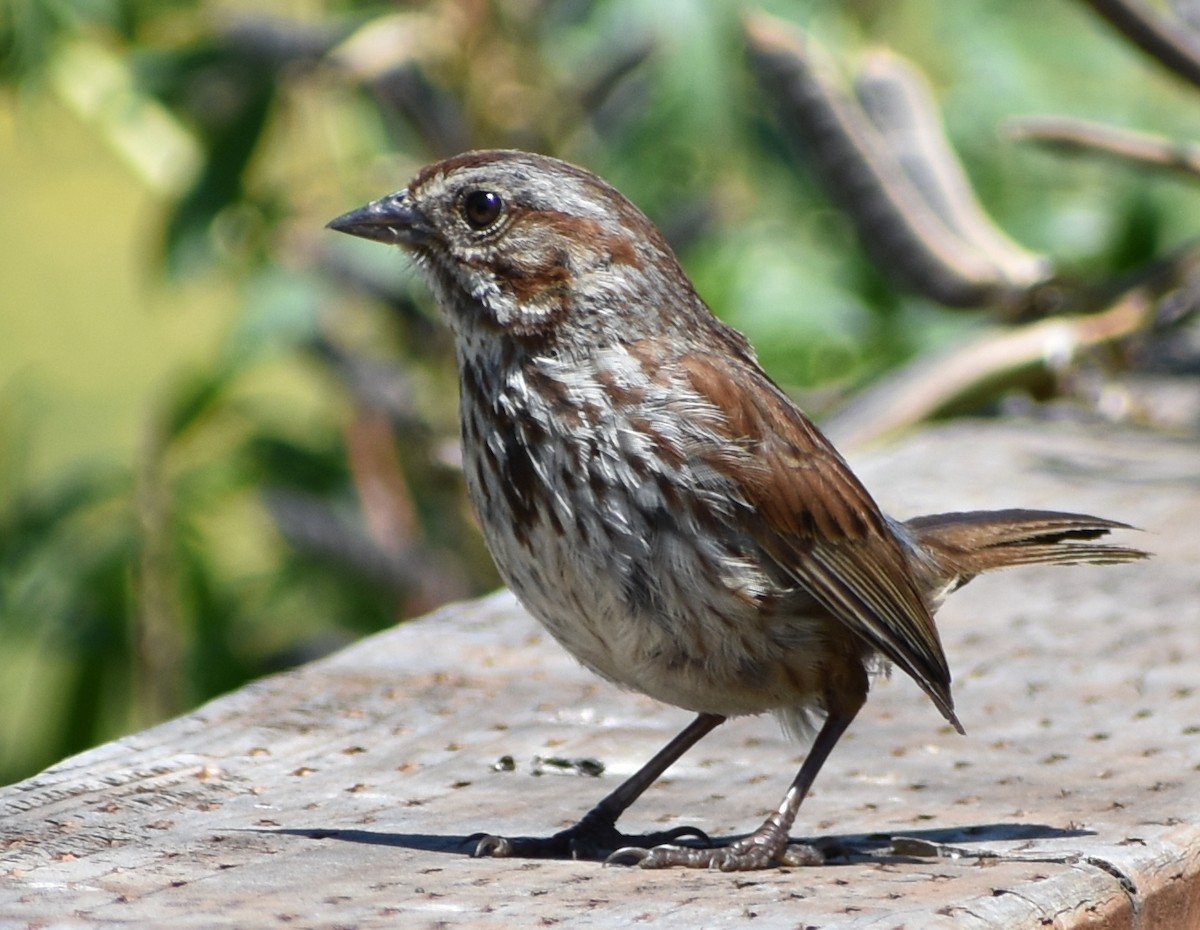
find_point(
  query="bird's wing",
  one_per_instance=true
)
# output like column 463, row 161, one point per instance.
column 818, row 523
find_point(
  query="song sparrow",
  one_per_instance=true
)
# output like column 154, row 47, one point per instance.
column 657, row 502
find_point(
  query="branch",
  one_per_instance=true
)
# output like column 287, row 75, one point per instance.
column 1166, row 294
column 1076, row 136
column 898, row 223
column 1169, row 42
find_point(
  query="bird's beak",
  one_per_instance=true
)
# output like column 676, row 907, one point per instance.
column 393, row 219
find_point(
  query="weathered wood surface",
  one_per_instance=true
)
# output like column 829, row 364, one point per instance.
column 341, row 794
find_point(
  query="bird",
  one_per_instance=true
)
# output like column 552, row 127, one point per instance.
column 663, row 508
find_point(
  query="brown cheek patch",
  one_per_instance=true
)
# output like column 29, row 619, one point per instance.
column 585, row 235
column 543, row 278
column 536, row 284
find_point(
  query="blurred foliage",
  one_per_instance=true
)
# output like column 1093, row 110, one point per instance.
column 244, row 538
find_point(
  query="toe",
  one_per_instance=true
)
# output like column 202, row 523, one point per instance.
column 742, row 856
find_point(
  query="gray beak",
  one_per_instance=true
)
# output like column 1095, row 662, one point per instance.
column 393, row 219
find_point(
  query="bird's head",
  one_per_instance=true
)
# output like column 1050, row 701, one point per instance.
column 525, row 243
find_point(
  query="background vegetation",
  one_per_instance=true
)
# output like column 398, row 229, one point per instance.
column 227, row 440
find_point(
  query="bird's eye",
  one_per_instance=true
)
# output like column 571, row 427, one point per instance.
column 482, row 208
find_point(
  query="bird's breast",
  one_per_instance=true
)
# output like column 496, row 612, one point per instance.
column 600, row 521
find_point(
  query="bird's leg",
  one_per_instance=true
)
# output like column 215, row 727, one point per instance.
column 596, row 835
column 766, row 846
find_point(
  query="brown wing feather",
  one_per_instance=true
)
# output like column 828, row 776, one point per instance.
column 820, row 525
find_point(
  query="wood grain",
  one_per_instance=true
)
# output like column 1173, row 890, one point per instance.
column 341, row 794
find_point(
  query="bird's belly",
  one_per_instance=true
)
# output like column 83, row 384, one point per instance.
column 674, row 633
column 633, row 560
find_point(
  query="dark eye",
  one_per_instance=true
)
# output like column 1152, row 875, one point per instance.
column 482, row 208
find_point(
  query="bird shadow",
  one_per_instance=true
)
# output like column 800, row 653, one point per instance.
column 847, row 848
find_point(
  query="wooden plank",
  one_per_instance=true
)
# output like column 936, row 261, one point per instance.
column 342, row 794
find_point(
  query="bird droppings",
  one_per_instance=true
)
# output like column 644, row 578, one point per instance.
column 558, row 765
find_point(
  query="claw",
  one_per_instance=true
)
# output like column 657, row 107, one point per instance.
column 680, row 832
column 488, row 845
column 802, row 854
column 627, row 855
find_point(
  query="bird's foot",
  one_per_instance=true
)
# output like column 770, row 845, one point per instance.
column 591, row 838
column 766, row 847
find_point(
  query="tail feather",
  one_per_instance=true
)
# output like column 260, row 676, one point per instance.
column 965, row 544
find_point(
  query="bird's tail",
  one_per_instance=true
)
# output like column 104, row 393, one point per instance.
column 963, row 545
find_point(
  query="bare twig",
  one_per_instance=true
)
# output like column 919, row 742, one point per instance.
column 1004, row 359
column 596, row 90
column 1076, row 136
column 898, row 100
column 1168, row 41
column 416, row 574
column 386, row 501
column 895, row 221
